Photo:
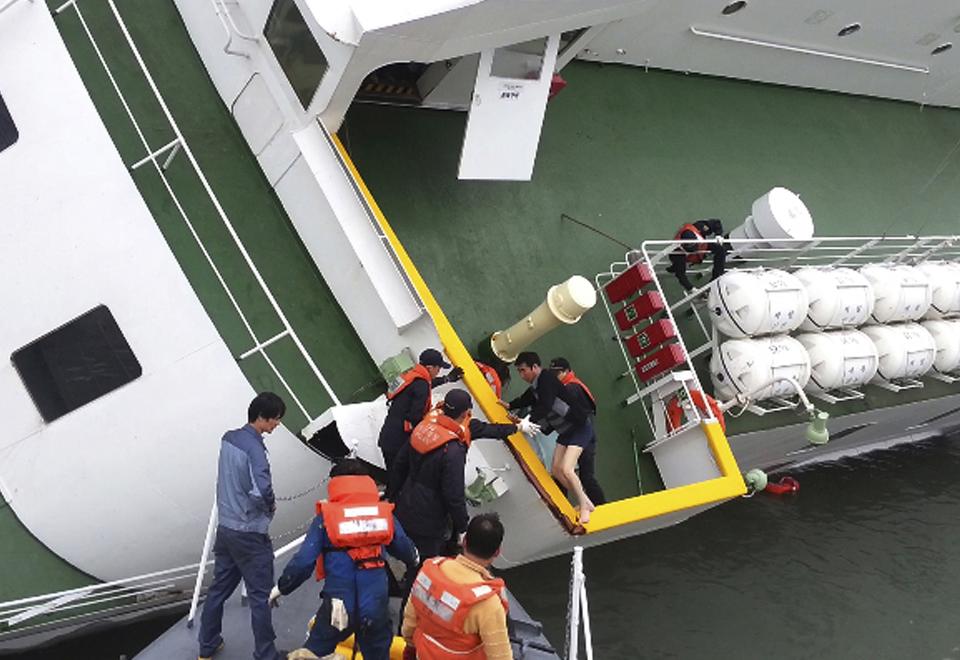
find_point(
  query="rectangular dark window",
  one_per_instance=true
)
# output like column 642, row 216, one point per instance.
column 78, row 362
column 8, row 130
column 295, row 48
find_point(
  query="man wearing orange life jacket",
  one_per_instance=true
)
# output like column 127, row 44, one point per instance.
column 428, row 480
column 456, row 608
column 344, row 546
column 410, row 401
column 495, row 377
column 578, row 391
column 703, row 232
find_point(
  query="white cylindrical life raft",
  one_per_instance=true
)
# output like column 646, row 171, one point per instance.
column 756, row 367
column 944, row 278
column 839, row 298
column 946, row 337
column 906, row 350
column 747, row 303
column 839, row 358
column 779, row 214
column 901, row 292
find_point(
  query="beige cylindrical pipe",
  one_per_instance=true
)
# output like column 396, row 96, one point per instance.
column 565, row 304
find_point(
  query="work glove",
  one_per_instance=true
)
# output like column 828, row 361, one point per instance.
column 527, row 427
column 274, row 598
column 410, row 652
column 454, row 375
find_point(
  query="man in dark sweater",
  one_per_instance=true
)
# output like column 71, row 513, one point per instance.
column 427, row 482
column 410, row 400
column 562, row 410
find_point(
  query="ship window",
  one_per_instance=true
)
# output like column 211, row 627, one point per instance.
column 523, row 60
column 8, row 130
column 295, row 48
column 77, row 363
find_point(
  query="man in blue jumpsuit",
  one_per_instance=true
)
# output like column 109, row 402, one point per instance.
column 346, row 548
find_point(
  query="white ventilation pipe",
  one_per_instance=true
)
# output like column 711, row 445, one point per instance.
column 564, row 305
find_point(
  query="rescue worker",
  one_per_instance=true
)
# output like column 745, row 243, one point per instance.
column 344, row 547
column 472, row 625
column 411, row 400
column 428, row 482
column 694, row 253
column 586, row 465
column 497, row 376
column 554, row 407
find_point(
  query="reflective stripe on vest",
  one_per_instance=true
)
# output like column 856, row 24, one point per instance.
column 356, row 521
column 442, row 607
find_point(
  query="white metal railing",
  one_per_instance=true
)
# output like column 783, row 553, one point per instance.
column 131, row 590
column 4, row 7
column 204, row 563
column 577, row 611
column 230, row 27
column 661, row 388
column 180, row 144
column 786, row 253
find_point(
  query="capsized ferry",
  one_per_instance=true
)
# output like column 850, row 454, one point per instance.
column 205, row 199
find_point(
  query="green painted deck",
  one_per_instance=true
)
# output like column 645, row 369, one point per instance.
column 635, row 154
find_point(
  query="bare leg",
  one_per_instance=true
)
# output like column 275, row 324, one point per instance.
column 564, row 464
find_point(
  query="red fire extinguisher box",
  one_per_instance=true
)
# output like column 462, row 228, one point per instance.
column 639, row 310
column 628, row 282
column 650, row 337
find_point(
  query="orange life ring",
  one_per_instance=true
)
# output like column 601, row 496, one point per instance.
column 701, row 401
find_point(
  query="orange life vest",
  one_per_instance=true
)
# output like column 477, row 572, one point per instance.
column 356, row 521
column 700, row 248
column 442, row 607
column 418, row 372
column 437, row 429
column 571, row 377
column 701, row 401
column 492, row 377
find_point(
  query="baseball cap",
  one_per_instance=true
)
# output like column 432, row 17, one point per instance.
column 456, row 402
column 559, row 364
column 433, row 358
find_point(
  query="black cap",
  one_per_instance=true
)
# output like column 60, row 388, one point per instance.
column 433, row 358
column 456, row 402
column 559, row 364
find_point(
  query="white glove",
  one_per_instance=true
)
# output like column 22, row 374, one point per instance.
column 527, row 427
column 274, row 598
column 338, row 615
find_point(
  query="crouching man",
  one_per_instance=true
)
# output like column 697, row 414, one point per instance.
column 345, row 546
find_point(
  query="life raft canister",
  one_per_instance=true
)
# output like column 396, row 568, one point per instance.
column 418, row 372
column 356, row 521
column 442, row 607
column 704, row 403
column 699, row 250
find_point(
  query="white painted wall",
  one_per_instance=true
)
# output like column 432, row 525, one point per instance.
column 123, row 485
